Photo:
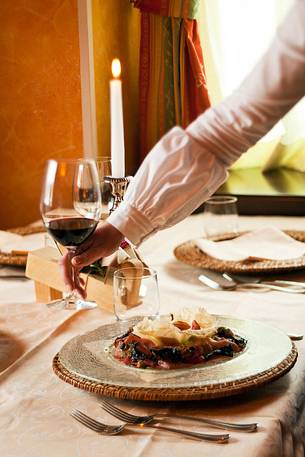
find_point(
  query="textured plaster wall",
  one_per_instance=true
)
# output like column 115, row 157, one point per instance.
column 40, row 99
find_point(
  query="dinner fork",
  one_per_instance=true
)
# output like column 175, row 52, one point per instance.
column 105, row 429
column 133, row 419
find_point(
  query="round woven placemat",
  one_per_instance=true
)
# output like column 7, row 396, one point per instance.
column 20, row 260
column 189, row 253
column 207, row 392
column 14, row 260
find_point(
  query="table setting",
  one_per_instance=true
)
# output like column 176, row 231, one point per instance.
column 246, row 293
column 181, row 344
column 274, row 406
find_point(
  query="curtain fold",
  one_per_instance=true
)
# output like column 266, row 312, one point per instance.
column 172, row 79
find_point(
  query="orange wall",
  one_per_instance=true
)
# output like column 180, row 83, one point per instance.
column 40, row 99
column 116, row 33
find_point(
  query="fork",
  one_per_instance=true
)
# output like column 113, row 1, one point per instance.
column 259, row 279
column 96, row 426
column 219, row 281
column 255, row 282
column 105, row 429
column 133, row 419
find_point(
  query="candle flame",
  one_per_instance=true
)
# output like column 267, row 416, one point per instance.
column 116, row 68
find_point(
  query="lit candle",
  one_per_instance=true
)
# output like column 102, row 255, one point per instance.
column 117, row 126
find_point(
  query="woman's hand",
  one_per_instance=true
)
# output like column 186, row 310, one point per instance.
column 103, row 242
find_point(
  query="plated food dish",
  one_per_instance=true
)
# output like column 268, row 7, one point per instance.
column 87, row 362
column 181, row 340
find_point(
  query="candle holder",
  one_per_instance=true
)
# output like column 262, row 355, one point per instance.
column 118, row 188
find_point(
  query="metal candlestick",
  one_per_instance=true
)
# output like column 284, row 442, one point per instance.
column 118, row 188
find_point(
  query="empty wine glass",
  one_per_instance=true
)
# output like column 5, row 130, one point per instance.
column 70, row 207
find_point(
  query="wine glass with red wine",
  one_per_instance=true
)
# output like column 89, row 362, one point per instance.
column 70, row 207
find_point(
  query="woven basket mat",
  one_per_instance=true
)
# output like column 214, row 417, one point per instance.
column 20, row 260
column 226, row 389
column 189, row 253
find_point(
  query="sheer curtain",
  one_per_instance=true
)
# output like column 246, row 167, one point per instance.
column 235, row 33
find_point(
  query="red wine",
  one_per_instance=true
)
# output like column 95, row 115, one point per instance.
column 71, row 231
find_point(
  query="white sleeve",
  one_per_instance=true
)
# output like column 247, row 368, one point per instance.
column 187, row 166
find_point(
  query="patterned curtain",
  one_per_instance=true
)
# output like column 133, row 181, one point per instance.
column 172, row 78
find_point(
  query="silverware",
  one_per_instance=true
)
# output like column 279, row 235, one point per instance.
column 230, row 285
column 260, row 280
column 224, row 281
column 96, row 426
column 262, row 286
column 105, row 429
column 133, row 419
column 289, row 283
column 216, row 280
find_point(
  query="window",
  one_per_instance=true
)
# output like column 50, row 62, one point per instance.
column 235, row 34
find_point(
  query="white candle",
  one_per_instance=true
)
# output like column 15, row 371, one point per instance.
column 117, row 126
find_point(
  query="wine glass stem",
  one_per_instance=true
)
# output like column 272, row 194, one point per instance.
column 72, row 296
column 69, row 298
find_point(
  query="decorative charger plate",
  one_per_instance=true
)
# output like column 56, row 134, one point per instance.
column 20, row 260
column 87, row 362
column 189, row 253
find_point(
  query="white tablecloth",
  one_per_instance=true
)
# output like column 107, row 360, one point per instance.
column 35, row 404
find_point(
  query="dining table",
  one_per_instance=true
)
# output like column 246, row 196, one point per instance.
column 36, row 406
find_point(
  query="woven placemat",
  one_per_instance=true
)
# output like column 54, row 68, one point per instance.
column 207, row 392
column 189, row 253
column 20, row 260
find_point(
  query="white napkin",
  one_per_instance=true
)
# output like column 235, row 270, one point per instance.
column 265, row 243
column 11, row 242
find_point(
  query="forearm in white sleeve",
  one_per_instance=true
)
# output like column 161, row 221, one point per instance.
column 176, row 176
column 187, row 166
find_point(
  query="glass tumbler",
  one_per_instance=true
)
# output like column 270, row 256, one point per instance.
column 220, row 216
column 135, row 293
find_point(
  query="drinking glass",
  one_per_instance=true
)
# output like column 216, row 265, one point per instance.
column 220, row 216
column 104, row 169
column 70, row 207
column 135, row 293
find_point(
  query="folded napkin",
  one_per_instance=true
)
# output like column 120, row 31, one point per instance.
column 10, row 242
column 265, row 243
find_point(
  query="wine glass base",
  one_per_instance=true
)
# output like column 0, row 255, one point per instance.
column 72, row 305
column 85, row 304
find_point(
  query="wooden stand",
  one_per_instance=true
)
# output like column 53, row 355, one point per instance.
column 42, row 266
